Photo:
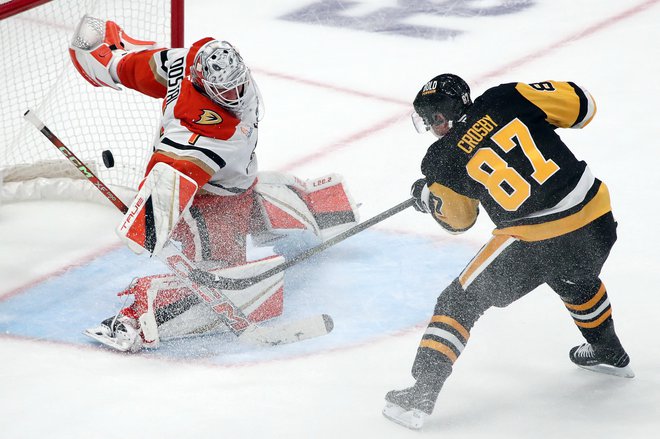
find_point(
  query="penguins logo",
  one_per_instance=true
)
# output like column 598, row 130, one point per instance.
column 209, row 117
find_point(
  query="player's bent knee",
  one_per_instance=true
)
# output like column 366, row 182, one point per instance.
column 463, row 305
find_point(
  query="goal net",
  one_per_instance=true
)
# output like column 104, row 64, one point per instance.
column 37, row 73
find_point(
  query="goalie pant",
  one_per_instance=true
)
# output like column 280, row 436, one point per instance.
column 281, row 211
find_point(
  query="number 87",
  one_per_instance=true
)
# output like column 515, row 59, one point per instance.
column 507, row 187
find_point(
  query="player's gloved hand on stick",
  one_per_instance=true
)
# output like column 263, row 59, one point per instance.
column 420, row 191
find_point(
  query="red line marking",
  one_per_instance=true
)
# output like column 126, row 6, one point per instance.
column 541, row 53
column 331, row 87
column 80, row 262
column 343, row 143
column 381, row 126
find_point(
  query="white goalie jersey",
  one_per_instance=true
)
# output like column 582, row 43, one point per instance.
column 199, row 200
column 198, row 137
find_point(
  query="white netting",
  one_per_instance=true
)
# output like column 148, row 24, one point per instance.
column 36, row 73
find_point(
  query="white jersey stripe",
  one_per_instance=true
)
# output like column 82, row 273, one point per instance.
column 446, row 335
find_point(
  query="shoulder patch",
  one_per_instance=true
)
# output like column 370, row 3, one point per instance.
column 209, row 117
column 202, row 116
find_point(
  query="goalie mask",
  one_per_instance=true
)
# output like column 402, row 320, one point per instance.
column 441, row 102
column 219, row 71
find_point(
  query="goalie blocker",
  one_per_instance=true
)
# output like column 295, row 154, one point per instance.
column 156, row 209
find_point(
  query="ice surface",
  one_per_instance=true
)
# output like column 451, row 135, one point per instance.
column 337, row 83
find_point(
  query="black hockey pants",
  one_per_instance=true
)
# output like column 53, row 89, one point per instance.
column 506, row 269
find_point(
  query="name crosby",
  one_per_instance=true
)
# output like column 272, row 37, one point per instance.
column 476, row 134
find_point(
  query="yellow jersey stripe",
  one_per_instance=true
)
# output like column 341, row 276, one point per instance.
column 590, row 304
column 595, row 323
column 453, row 323
column 561, row 105
column 594, row 209
column 436, row 346
column 484, row 255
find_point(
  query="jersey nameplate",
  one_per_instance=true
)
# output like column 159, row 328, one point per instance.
column 476, row 134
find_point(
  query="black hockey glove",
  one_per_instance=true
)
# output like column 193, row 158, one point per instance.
column 420, row 191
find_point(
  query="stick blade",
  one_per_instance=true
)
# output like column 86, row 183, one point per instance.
column 290, row 332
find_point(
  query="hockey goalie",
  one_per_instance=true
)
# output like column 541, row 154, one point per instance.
column 201, row 184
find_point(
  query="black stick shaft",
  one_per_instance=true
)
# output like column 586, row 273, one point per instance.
column 238, row 284
column 84, row 170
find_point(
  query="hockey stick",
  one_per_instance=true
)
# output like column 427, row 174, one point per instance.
column 231, row 315
column 215, row 281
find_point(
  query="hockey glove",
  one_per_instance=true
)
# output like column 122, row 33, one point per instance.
column 420, row 191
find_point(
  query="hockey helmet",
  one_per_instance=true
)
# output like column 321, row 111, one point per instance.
column 218, row 69
column 447, row 95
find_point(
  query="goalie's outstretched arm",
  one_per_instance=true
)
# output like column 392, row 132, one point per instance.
column 107, row 57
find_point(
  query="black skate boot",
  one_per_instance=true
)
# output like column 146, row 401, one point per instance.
column 120, row 332
column 602, row 360
column 410, row 407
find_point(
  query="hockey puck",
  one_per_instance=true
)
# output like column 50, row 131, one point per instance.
column 108, row 159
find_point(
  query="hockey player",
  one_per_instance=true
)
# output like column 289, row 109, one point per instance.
column 210, row 114
column 553, row 221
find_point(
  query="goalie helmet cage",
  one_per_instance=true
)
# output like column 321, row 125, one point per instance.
column 37, row 73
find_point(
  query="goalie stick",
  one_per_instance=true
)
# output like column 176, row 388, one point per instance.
column 226, row 283
column 231, row 314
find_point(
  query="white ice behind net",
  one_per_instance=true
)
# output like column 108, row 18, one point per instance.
column 36, row 73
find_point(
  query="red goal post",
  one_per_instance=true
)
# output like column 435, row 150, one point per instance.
column 36, row 73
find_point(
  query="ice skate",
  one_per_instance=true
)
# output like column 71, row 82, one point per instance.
column 410, row 407
column 604, row 361
column 119, row 332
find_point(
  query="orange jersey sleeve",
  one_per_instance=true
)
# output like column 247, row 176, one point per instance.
column 138, row 70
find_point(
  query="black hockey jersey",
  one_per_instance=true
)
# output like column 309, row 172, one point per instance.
column 506, row 155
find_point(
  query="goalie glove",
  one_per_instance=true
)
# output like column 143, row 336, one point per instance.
column 96, row 48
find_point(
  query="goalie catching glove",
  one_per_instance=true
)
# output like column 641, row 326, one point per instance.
column 97, row 47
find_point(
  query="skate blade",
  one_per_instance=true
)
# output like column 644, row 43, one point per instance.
column 412, row 419
column 624, row 372
column 112, row 343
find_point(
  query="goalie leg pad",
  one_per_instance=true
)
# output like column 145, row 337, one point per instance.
column 263, row 300
column 176, row 311
column 308, row 211
column 331, row 204
column 281, row 217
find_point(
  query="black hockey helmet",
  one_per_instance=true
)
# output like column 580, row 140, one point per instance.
column 447, row 94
